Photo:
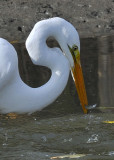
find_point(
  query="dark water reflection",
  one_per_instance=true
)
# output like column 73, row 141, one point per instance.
column 62, row 128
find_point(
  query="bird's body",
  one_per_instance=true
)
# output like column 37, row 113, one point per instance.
column 15, row 95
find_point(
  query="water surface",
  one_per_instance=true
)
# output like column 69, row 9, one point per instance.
column 62, row 128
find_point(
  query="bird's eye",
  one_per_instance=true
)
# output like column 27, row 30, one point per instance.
column 75, row 48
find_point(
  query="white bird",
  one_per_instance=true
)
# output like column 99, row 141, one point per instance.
column 15, row 95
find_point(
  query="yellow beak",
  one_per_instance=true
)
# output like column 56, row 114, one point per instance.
column 78, row 78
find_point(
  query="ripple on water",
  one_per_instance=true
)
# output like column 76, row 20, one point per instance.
column 93, row 139
column 111, row 153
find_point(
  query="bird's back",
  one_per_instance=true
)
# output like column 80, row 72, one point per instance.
column 8, row 62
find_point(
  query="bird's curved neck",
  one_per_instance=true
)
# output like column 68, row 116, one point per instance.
column 37, row 48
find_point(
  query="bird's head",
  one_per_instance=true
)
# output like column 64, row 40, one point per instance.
column 70, row 45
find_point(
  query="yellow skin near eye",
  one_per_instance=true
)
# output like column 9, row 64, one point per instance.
column 75, row 54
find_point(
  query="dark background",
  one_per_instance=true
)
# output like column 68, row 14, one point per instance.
column 90, row 17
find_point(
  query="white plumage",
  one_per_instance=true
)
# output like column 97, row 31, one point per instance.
column 15, row 95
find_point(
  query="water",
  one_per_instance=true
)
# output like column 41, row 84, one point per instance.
column 62, row 128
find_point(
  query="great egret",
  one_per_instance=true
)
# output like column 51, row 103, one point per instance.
column 15, row 95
